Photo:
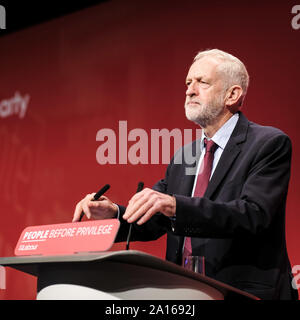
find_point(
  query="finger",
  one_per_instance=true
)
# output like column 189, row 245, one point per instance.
column 102, row 198
column 77, row 211
column 149, row 214
column 138, row 200
column 94, row 204
column 141, row 194
column 133, row 206
column 135, row 198
column 92, row 195
column 140, row 211
column 97, row 206
column 86, row 209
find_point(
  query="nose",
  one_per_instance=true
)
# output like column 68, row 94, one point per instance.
column 191, row 89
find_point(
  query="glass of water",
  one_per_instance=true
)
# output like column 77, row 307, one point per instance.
column 195, row 263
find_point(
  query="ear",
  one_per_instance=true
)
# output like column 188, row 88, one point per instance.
column 233, row 97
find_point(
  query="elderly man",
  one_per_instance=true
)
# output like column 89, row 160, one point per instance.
column 230, row 207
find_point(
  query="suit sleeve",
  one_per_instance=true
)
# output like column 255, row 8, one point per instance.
column 262, row 195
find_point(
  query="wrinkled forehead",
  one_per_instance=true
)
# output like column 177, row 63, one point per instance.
column 205, row 67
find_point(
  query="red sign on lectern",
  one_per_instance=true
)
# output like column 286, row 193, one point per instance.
column 68, row 238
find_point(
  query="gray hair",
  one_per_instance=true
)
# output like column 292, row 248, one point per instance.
column 233, row 69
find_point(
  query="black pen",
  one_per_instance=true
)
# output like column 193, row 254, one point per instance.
column 96, row 197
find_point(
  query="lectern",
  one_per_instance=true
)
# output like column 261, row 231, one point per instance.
column 129, row 275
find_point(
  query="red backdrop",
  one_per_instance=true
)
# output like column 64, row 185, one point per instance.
column 127, row 60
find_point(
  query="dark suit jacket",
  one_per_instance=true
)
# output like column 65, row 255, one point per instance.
column 239, row 224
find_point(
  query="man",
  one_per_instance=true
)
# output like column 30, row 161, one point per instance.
column 229, row 206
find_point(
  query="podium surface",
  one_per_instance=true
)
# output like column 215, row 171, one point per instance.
column 129, row 275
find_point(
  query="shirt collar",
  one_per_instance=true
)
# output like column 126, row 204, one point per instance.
column 222, row 136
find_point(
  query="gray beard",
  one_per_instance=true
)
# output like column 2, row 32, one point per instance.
column 205, row 115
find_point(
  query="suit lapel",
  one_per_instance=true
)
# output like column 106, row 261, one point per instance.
column 229, row 155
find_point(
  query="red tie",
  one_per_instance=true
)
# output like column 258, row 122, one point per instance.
column 202, row 183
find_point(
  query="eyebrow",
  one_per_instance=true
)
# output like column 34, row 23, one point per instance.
column 205, row 78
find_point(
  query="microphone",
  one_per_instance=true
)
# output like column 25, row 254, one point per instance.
column 96, row 197
column 139, row 188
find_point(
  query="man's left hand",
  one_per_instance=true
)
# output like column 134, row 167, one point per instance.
column 143, row 205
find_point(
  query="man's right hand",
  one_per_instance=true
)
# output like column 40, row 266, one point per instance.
column 103, row 208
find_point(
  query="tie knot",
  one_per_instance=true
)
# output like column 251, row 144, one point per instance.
column 210, row 145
